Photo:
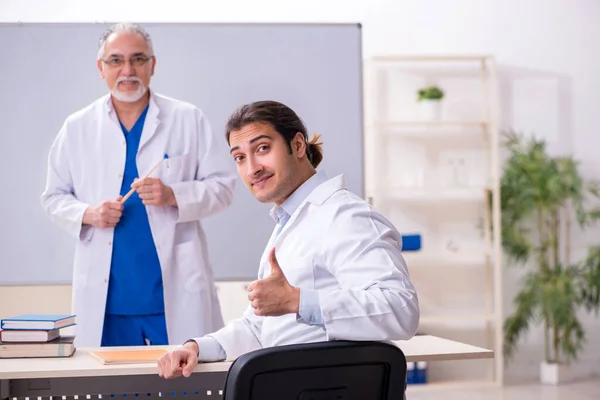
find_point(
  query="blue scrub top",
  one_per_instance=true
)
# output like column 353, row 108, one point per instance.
column 135, row 286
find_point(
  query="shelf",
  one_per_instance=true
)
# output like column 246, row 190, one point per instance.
column 438, row 131
column 443, row 67
column 431, row 124
column 445, row 259
column 415, row 164
column 442, row 196
column 432, row 58
column 456, row 318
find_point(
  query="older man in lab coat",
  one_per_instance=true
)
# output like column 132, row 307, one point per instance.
column 332, row 269
column 140, row 261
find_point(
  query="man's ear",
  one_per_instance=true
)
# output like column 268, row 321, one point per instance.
column 299, row 145
column 153, row 65
column 101, row 68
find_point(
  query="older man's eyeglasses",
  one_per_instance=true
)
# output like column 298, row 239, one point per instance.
column 135, row 61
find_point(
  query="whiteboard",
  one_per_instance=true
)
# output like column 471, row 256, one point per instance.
column 48, row 71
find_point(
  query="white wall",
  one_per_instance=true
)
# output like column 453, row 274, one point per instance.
column 555, row 43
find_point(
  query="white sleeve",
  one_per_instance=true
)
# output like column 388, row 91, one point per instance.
column 212, row 190
column 58, row 199
column 238, row 337
column 209, row 349
column 377, row 300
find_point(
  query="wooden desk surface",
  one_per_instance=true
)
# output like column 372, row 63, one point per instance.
column 433, row 348
column 419, row 348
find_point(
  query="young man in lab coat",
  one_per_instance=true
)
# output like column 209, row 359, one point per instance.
column 140, row 262
column 332, row 268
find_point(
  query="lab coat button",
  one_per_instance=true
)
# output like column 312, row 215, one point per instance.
column 110, row 243
column 105, row 280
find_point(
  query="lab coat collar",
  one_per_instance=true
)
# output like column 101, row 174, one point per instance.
column 295, row 200
column 324, row 189
column 153, row 109
column 151, row 123
column 327, row 189
column 318, row 195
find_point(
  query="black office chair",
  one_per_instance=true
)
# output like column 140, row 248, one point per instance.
column 337, row 370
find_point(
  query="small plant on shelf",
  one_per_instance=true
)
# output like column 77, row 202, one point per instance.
column 540, row 197
column 430, row 100
column 430, row 93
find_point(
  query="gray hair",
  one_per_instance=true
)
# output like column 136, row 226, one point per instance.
column 124, row 27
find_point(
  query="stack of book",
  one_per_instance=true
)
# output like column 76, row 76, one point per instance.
column 36, row 335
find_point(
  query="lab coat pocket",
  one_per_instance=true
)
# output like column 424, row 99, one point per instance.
column 299, row 272
column 189, row 264
column 174, row 168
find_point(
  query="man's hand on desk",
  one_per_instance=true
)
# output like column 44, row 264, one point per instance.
column 273, row 296
column 181, row 361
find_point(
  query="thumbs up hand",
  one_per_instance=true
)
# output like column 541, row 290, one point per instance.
column 273, row 295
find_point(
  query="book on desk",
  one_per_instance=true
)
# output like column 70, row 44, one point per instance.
column 36, row 336
column 117, row 357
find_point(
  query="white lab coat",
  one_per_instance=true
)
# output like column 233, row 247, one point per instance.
column 85, row 167
column 337, row 244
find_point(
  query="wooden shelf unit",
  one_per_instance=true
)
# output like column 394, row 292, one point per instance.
column 409, row 161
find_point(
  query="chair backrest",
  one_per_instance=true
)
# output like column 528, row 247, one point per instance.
column 336, row 370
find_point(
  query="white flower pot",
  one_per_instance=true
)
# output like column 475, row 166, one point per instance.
column 431, row 110
column 554, row 374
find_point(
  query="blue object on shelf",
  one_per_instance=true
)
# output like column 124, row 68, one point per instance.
column 411, row 242
column 421, row 372
column 416, row 373
column 410, row 373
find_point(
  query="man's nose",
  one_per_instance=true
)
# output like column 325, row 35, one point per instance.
column 254, row 168
column 127, row 69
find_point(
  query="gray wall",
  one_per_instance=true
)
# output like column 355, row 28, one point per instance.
column 48, row 71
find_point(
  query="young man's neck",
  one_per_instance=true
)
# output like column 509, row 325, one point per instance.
column 304, row 175
column 308, row 173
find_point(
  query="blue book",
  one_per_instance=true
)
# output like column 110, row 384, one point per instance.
column 411, row 242
column 410, row 373
column 38, row 322
column 421, row 372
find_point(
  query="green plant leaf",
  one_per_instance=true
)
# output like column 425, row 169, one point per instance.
column 526, row 314
column 430, row 93
column 590, row 280
column 539, row 193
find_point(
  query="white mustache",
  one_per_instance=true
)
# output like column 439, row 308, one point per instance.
column 129, row 78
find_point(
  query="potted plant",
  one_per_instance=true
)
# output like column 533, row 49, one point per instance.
column 540, row 197
column 430, row 99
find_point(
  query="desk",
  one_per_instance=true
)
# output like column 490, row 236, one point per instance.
column 433, row 348
column 83, row 376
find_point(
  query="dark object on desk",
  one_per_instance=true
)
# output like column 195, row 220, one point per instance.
column 337, row 370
